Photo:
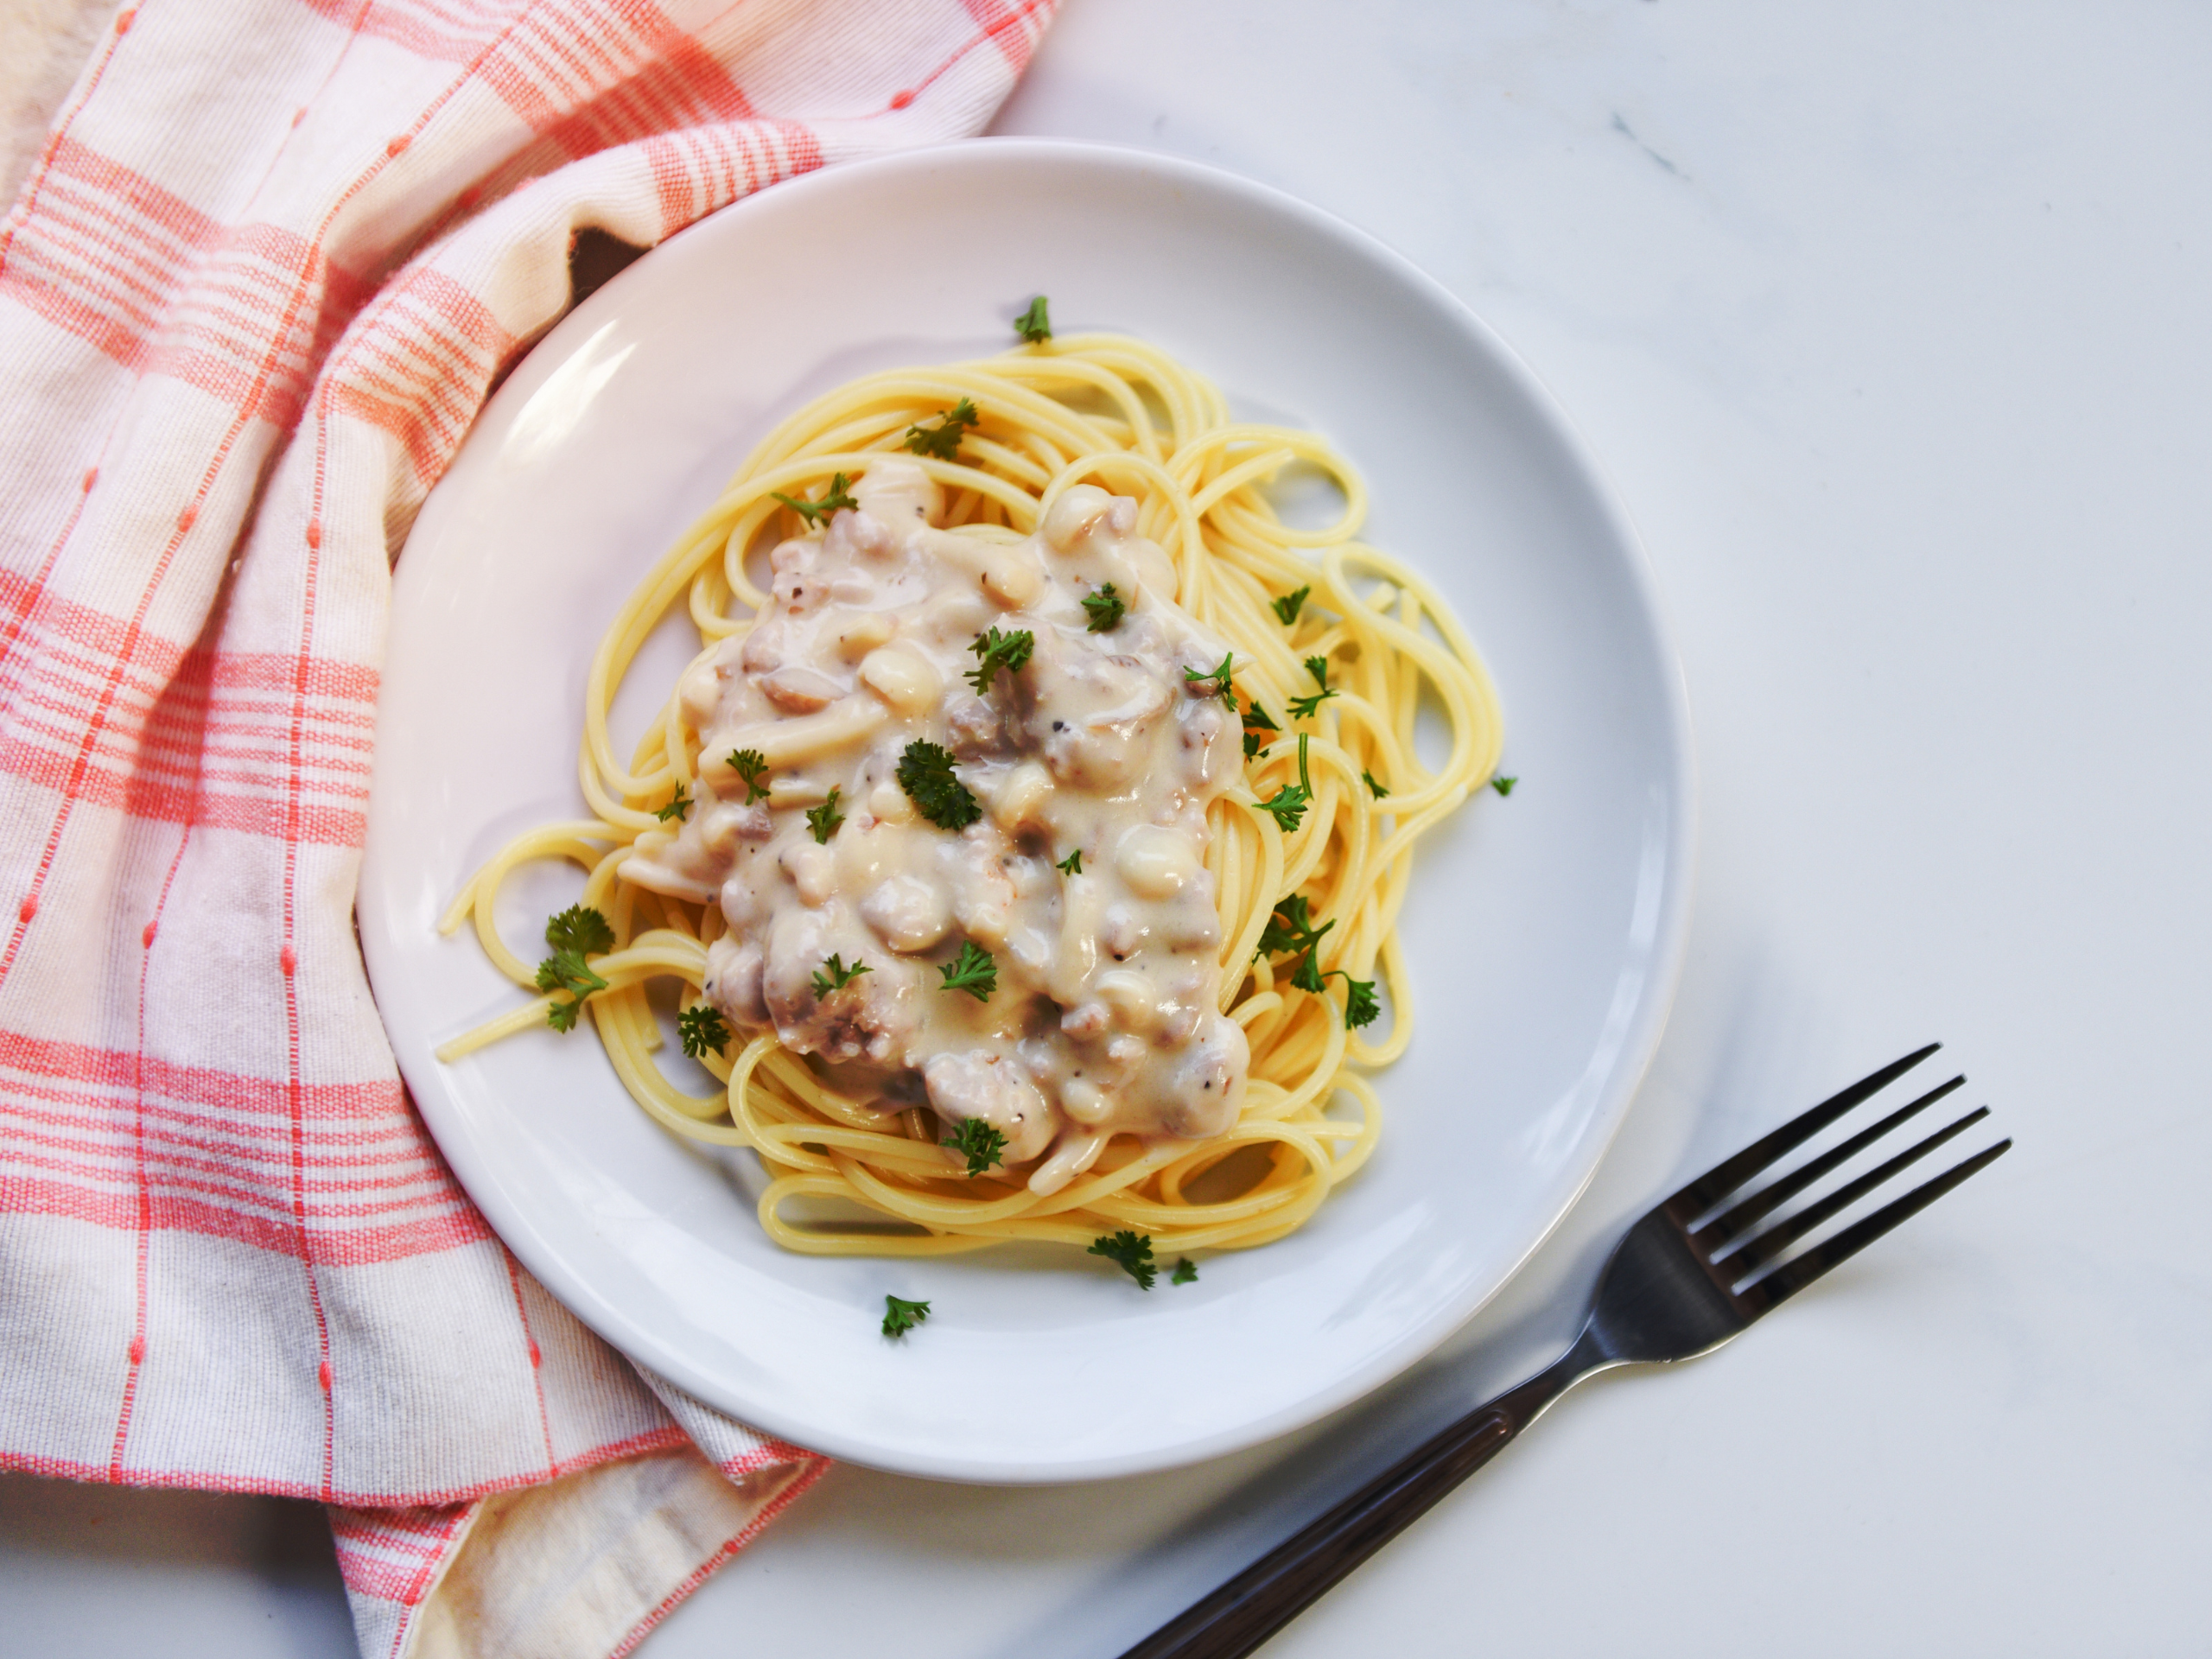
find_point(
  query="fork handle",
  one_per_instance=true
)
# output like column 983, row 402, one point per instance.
column 1242, row 1613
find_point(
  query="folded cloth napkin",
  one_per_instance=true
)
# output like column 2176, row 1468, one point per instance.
column 259, row 279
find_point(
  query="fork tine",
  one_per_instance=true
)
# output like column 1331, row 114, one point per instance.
column 1794, row 1275
column 1739, row 1219
column 1765, row 1246
column 1730, row 1173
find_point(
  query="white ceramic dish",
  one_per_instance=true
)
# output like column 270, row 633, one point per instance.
column 1545, row 934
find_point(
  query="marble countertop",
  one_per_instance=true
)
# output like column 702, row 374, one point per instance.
column 1890, row 323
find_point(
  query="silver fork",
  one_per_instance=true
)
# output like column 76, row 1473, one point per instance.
column 1684, row 1280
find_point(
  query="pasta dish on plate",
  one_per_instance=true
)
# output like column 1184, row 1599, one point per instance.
column 1024, row 842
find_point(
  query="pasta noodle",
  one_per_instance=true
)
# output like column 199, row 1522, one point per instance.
column 1114, row 412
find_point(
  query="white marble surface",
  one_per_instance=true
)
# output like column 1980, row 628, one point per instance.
column 1890, row 322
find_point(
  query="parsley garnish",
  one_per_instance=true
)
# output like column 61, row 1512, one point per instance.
column 1306, row 707
column 1289, row 803
column 1257, row 725
column 1291, row 928
column 1072, row 864
column 750, row 763
column 1187, row 1272
column 575, row 932
column 1360, row 1006
column 1504, row 785
column 824, row 819
column 1105, row 608
column 1379, row 792
column 942, row 441
column 678, row 809
column 1133, row 1251
column 701, row 1027
column 834, row 975
column 1036, row 323
column 1286, row 607
column 1216, row 684
column 976, row 1142
column 582, row 929
column 972, row 971
column 900, row 1317
column 926, row 773
column 839, row 496
column 995, row 650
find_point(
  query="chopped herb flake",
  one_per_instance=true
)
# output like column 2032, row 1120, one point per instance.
column 701, row 1026
column 942, row 441
column 1306, row 708
column 834, row 975
column 575, row 932
column 926, row 773
column 978, row 1142
column 995, row 650
column 1034, row 325
column 840, row 495
column 1105, row 608
column 972, row 971
column 1360, row 1006
column 1288, row 606
column 1288, row 804
column 751, row 766
column 900, row 1317
column 1132, row 1252
column 1214, row 684
column 824, row 819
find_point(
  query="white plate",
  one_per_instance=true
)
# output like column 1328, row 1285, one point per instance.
column 1545, row 932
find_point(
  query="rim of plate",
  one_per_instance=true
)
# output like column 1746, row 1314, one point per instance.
column 475, row 1166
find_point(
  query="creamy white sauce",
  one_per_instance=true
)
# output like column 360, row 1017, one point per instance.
column 1105, row 1018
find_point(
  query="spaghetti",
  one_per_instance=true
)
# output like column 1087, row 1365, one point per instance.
column 1335, row 649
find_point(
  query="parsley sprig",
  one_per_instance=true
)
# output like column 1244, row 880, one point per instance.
column 1215, row 682
column 1360, row 1006
column 972, row 970
column 901, row 1316
column 679, row 809
column 824, row 819
column 834, row 975
column 1187, row 1272
column 576, row 933
column 1504, row 785
column 995, row 650
column 1132, row 1252
column 1105, row 608
column 700, row 1027
column 1034, row 325
column 840, row 495
column 751, row 766
column 1306, row 708
column 978, row 1142
column 942, row 441
column 1257, row 724
column 1288, row 804
column 1288, row 606
column 1374, row 788
column 1290, row 930
column 926, row 773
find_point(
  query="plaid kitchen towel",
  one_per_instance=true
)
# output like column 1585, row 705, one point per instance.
column 259, row 279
